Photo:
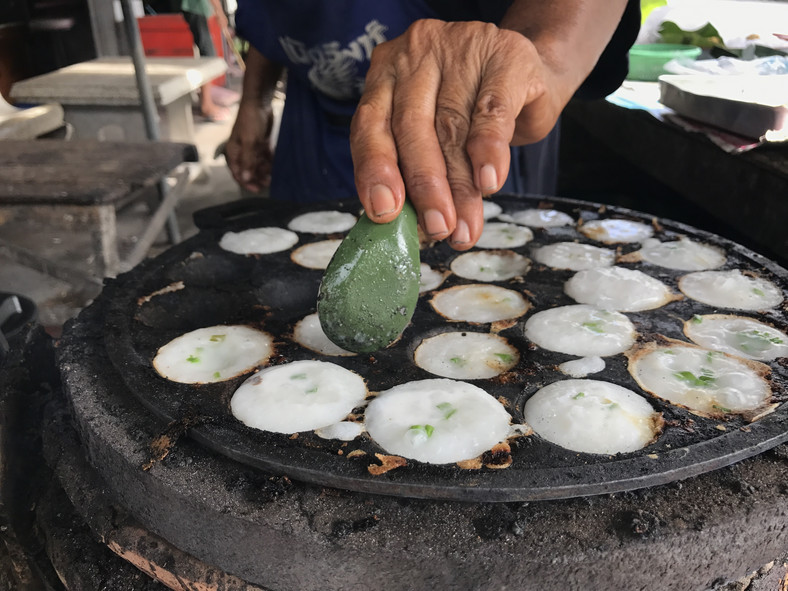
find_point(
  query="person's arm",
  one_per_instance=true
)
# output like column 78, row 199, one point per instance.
column 444, row 101
column 248, row 150
column 218, row 10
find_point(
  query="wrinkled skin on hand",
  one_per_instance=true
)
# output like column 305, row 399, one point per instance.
column 441, row 106
column 248, row 152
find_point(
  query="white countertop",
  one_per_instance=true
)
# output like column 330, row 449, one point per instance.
column 111, row 81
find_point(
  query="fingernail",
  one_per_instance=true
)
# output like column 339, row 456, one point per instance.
column 382, row 200
column 488, row 179
column 246, row 176
column 462, row 234
column 434, row 224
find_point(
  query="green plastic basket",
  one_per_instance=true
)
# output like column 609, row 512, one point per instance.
column 647, row 61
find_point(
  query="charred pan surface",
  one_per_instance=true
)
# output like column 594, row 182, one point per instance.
column 271, row 293
column 274, row 532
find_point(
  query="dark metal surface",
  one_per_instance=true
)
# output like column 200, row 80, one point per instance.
column 271, row 292
column 688, row 536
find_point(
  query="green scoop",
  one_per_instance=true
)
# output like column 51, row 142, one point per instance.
column 370, row 288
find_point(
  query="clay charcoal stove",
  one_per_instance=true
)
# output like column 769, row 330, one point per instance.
column 169, row 481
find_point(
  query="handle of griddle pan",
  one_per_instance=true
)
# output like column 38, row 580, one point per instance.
column 220, row 216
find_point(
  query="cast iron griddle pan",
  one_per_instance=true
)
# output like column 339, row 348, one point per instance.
column 273, row 293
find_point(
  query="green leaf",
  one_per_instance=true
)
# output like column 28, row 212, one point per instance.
column 298, row 376
column 578, row 396
column 697, row 319
column 216, row 375
column 756, row 341
column 707, row 36
column 458, row 361
column 218, row 338
column 758, row 292
column 594, row 326
column 762, row 334
column 447, row 409
column 426, row 429
column 311, row 390
column 763, row 51
column 690, row 378
column 193, row 359
column 708, row 31
column 505, row 357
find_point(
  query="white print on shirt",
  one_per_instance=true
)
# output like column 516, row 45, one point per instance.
column 334, row 70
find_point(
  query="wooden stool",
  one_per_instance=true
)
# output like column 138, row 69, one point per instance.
column 90, row 180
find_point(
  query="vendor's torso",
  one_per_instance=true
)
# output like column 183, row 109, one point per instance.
column 328, row 45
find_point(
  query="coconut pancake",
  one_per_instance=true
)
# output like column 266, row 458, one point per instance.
column 683, row 254
column 540, row 218
column 436, row 421
column 309, row 333
column 504, row 235
column 315, row 255
column 618, row 288
column 737, row 335
column 491, row 265
column 259, row 240
column 322, row 222
column 466, row 355
column 491, row 209
column 574, row 256
column 298, row 396
column 614, row 231
column 213, row 354
column 592, row 416
column 479, row 303
column 731, row 289
column 581, row 330
column 430, row 278
column 709, row 382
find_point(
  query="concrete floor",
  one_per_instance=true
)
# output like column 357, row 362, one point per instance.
column 47, row 234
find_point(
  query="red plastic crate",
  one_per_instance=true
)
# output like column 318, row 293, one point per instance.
column 168, row 35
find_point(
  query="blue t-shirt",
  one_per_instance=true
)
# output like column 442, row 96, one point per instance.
column 326, row 47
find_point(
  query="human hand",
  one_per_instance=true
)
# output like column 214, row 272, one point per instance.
column 248, row 152
column 441, row 106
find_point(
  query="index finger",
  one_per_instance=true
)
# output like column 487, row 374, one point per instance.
column 373, row 149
